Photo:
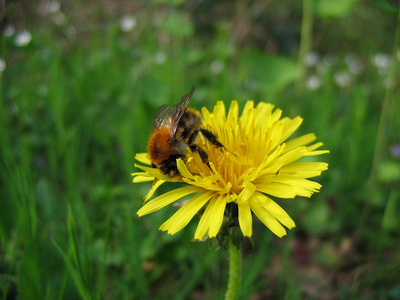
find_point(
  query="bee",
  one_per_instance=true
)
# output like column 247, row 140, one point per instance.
column 174, row 130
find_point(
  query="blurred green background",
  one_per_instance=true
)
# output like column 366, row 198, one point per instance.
column 80, row 82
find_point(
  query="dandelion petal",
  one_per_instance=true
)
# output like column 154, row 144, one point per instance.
column 165, row 199
column 141, row 177
column 216, row 216
column 267, row 218
column 153, row 189
column 245, row 219
column 300, row 141
column 143, row 158
column 182, row 217
column 212, row 218
column 274, row 209
column 276, row 189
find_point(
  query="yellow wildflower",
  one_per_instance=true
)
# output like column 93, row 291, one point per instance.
column 257, row 162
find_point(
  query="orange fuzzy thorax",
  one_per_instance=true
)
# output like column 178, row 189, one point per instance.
column 159, row 147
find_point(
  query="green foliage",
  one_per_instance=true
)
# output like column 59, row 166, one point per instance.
column 175, row 25
column 337, row 9
column 272, row 73
column 76, row 104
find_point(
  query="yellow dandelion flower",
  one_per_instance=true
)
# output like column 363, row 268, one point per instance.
column 258, row 162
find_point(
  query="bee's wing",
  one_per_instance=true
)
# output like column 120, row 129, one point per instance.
column 160, row 115
column 178, row 111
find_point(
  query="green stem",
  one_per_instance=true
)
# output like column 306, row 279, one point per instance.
column 381, row 140
column 306, row 39
column 235, row 272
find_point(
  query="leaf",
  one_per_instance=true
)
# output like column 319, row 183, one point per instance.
column 386, row 6
column 175, row 24
column 390, row 221
column 272, row 73
column 317, row 217
column 74, row 273
column 389, row 171
column 29, row 281
column 153, row 91
column 333, row 9
column 73, row 259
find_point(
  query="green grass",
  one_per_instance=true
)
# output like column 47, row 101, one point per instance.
column 75, row 108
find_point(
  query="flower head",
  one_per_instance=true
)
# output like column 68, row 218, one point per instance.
column 258, row 162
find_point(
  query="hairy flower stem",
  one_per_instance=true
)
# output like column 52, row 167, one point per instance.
column 235, row 272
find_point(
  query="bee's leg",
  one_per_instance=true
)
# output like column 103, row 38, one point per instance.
column 211, row 138
column 193, row 137
column 169, row 167
column 203, row 155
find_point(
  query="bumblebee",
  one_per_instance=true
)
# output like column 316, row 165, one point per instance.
column 174, row 130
